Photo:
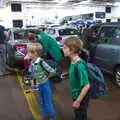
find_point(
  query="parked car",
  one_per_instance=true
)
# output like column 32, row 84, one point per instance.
column 106, row 49
column 61, row 33
column 16, row 46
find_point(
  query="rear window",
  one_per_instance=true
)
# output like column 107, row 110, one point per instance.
column 67, row 32
column 23, row 34
column 20, row 35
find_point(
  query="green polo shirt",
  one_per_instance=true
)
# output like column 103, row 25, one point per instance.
column 76, row 83
column 50, row 45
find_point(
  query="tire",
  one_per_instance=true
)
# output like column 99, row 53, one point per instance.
column 10, row 57
column 117, row 76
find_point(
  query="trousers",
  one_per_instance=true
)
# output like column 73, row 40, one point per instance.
column 46, row 105
column 2, row 58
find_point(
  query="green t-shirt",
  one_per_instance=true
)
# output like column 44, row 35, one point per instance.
column 76, row 83
column 50, row 46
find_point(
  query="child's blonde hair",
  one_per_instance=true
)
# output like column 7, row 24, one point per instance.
column 35, row 47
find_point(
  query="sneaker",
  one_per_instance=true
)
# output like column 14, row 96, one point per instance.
column 35, row 87
column 26, row 82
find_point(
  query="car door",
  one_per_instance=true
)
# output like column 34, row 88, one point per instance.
column 104, row 50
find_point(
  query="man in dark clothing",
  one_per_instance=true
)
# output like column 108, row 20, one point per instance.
column 3, row 37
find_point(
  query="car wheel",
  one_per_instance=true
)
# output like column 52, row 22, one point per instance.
column 10, row 58
column 117, row 76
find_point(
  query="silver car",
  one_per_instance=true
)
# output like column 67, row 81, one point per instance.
column 61, row 33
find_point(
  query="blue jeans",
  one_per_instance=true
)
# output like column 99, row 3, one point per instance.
column 46, row 104
column 2, row 58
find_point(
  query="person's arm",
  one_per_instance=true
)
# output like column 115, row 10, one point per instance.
column 49, row 69
column 26, row 57
column 6, row 35
column 83, row 93
column 84, row 84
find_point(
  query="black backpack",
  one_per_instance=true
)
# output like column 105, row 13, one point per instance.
column 55, row 65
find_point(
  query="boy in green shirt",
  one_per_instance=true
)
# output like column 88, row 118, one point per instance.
column 79, row 84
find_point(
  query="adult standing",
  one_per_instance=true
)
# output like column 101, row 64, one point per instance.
column 3, row 37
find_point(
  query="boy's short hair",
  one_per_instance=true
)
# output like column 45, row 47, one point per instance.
column 35, row 47
column 74, row 44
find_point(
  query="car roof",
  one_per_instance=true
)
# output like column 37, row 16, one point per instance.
column 66, row 27
column 111, row 24
column 34, row 30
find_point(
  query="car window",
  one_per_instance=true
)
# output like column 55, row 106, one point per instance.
column 116, row 38
column 47, row 31
column 108, row 34
column 67, row 32
column 20, row 35
column 51, row 31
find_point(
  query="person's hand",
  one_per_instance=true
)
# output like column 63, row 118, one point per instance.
column 26, row 57
column 64, row 74
column 76, row 104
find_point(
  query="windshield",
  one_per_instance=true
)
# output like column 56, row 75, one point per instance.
column 68, row 32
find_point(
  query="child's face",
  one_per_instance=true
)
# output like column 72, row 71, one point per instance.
column 66, row 51
column 32, row 56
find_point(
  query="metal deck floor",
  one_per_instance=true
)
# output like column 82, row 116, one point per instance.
column 13, row 105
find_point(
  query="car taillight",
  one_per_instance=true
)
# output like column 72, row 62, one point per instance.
column 20, row 46
column 58, row 38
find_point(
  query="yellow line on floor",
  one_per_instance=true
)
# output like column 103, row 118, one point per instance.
column 30, row 97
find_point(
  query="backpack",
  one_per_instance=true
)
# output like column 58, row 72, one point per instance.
column 96, row 78
column 57, row 78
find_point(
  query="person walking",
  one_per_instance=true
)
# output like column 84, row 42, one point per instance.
column 78, row 81
column 3, row 38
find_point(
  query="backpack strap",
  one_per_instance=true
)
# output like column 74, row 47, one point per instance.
column 76, row 69
column 85, row 100
column 41, row 64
